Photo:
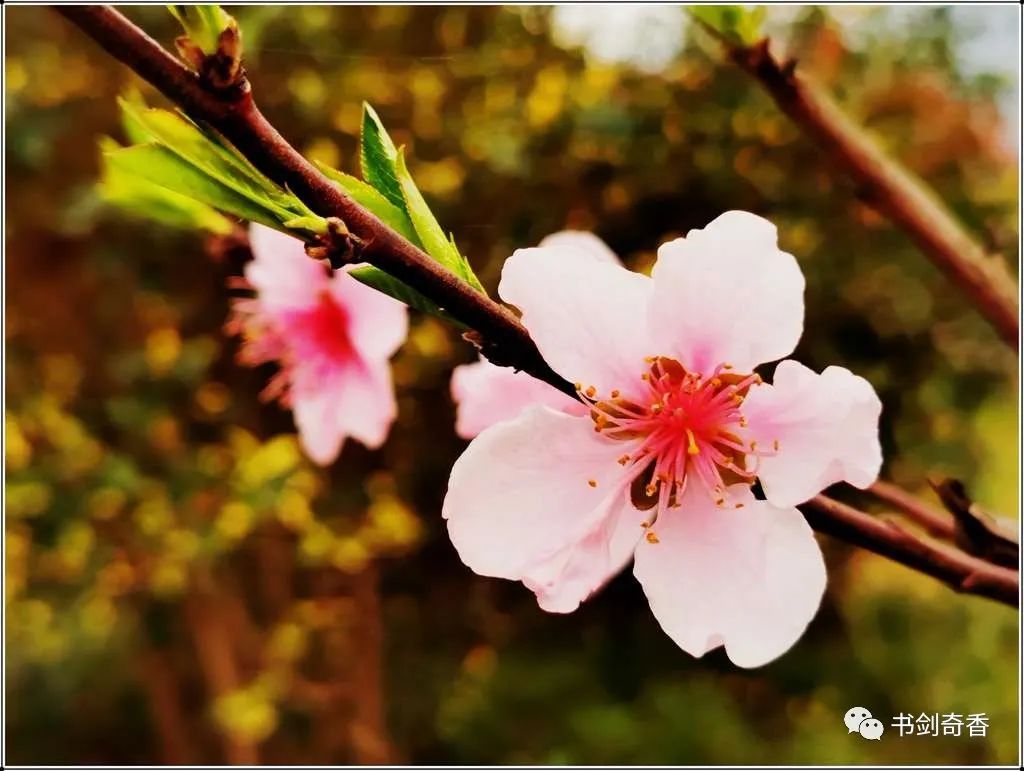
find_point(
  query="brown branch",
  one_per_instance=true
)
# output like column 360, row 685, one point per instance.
column 235, row 115
column 505, row 340
column 984, row 277
column 932, row 521
column 977, row 532
column 961, row 572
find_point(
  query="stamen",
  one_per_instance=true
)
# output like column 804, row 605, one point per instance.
column 592, row 482
column 692, row 447
column 651, row 537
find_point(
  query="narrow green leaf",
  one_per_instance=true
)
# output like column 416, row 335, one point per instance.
column 364, row 195
column 313, row 224
column 185, row 139
column 377, row 157
column 433, row 238
column 202, row 23
column 168, row 170
column 145, row 199
column 392, row 287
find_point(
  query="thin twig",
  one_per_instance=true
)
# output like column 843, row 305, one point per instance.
column 984, row 277
column 505, row 340
column 961, row 572
column 931, row 520
column 235, row 115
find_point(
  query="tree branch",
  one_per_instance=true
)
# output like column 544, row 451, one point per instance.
column 961, row 572
column 506, row 341
column 983, row 277
column 932, row 521
column 235, row 115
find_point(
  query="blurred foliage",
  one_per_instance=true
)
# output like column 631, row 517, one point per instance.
column 183, row 586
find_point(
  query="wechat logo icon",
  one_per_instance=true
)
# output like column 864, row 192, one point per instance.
column 859, row 720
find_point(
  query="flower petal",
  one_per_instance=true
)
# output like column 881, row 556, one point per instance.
column 526, row 492
column 587, row 317
column 281, row 272
column 356, row 401
column 727, row 294
column 377, row 324
column 485, row 394
column 750, row 579
column 826, row 426
column 584, row 242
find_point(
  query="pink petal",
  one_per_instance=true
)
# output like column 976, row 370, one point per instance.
column 521, row 506
column 826, row 426
column 357, row 402
column 377, row 324
column 750, row 579
column 281, row 272
column 315, row 414
column 587, row 317
column 485, row 394
column 584, row 242
column 726, row 294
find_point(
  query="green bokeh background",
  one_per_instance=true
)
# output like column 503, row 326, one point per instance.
column 182, row 586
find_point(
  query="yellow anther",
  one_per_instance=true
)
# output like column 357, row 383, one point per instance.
column 775, row 445
column 715, row 382
column 590, row 391
column 739, row 505
column 578, row 386
column 691, row 446
column 646, row 376
column 649, row 359
column 651, row 537
column 656, row 408
column 651, row 489
column 623, row 460
column 615, row 393
column 727, row 366
column 753, row 446
column 743, row 422
column 720, row 502
column 737, row 399
column 592, row 482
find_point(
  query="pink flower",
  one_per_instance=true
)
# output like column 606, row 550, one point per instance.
column 659, row 470
column 486, row 394
column 332, row 337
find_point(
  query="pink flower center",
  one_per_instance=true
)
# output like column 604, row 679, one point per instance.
column 681, row 426
column 320, row 333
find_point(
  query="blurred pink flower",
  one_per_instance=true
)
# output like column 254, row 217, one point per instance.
column 332, row 337
column 660, row 468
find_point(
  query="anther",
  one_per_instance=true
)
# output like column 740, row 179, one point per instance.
column 615, row 393
column 775, row 445
column 623, row 460
column 592, row 482
column 591, row 391
column 692, row 447
column 651, row 537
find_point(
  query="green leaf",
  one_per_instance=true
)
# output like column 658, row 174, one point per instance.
column 377, row 158
column 392, row 287
column 435, row 242
column 367, row 197
column 188, row 141
column 145, row 199
column 202, row 23
column 158, row 165
column 734, row 22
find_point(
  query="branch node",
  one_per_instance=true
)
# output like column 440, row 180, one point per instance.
column 338, row 245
